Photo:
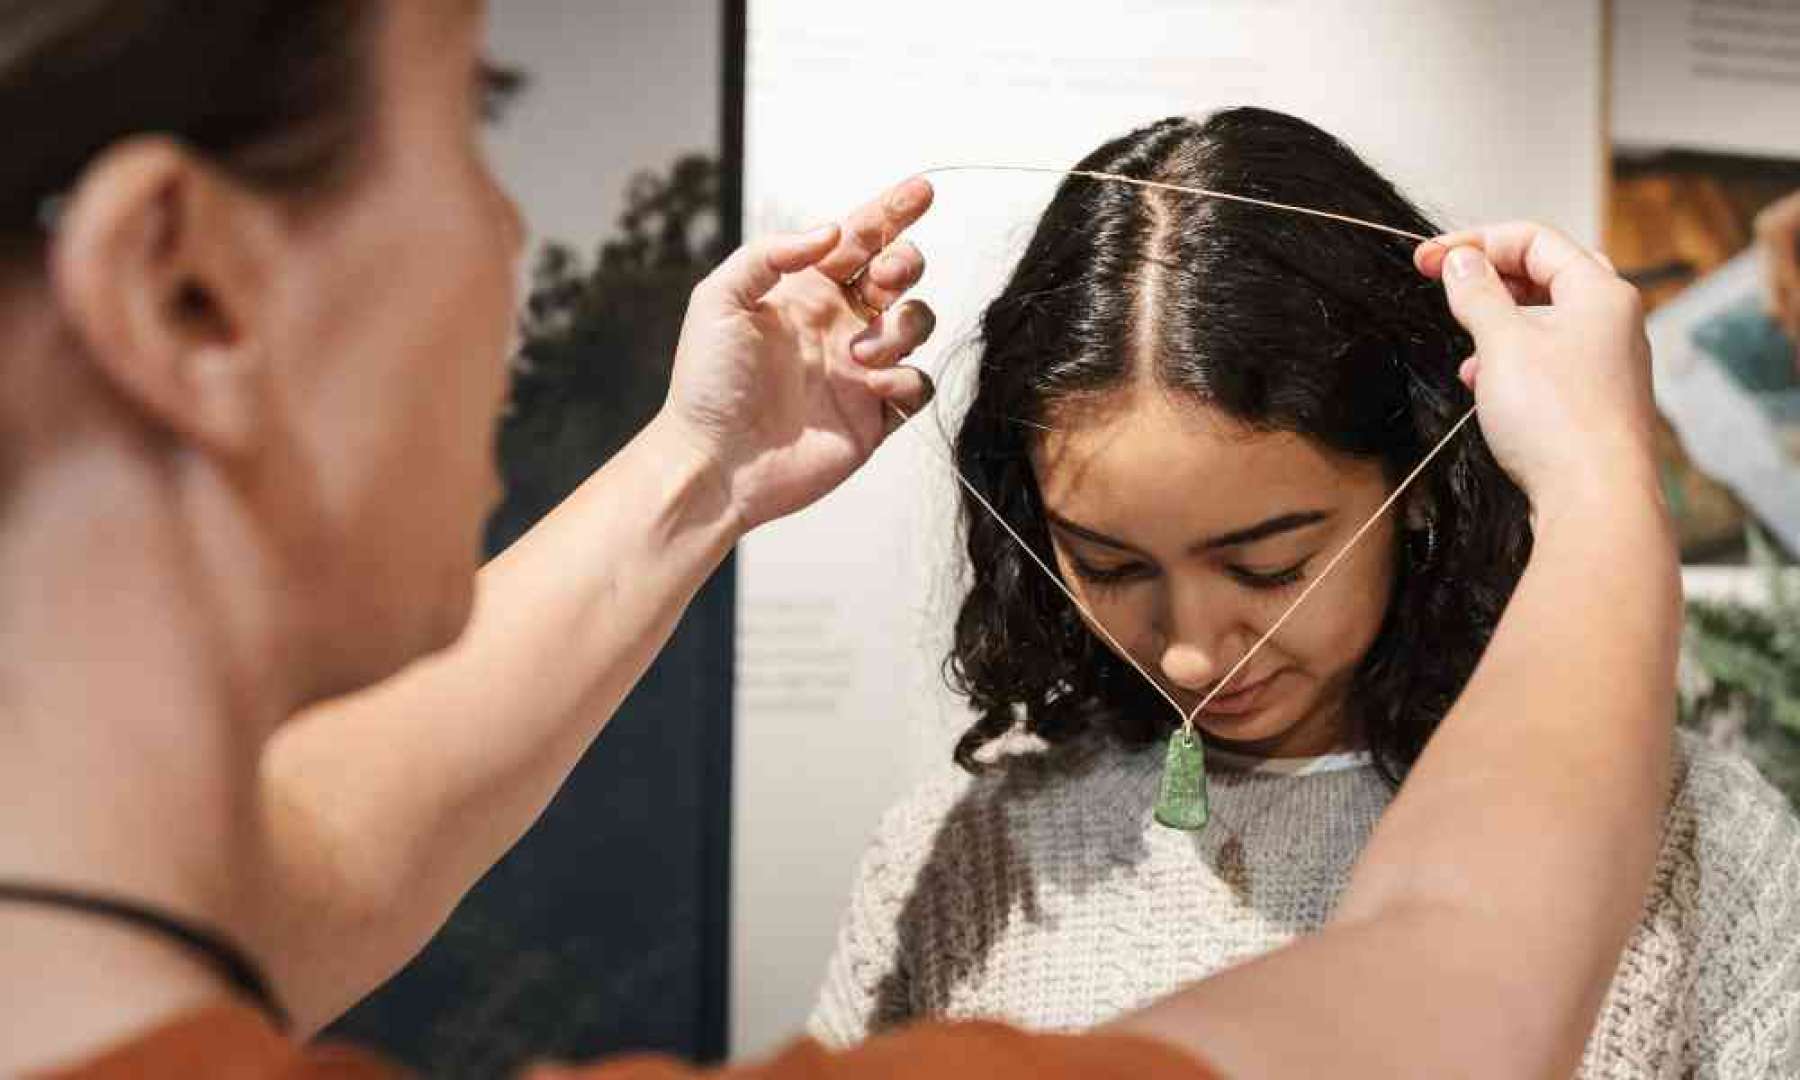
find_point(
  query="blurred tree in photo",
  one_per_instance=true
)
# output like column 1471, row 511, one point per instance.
column 598, row 339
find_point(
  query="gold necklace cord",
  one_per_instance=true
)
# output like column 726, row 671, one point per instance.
column 1157, row 185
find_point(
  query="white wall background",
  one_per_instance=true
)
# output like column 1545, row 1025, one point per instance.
column 1482, row 109
column 616, row 86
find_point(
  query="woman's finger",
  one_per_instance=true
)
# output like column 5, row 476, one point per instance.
column 1525, row 293
column 1525, row 250
column 869, row 230
column 1478, row 298
column 751, row 271
column 1429, row 258
column 1470, row 371
column 893, row 337
column 905, row 391
column 891, row 275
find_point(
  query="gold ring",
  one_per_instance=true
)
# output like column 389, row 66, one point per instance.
column 853, row 296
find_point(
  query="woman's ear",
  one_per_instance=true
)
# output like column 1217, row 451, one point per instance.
column 160, row 264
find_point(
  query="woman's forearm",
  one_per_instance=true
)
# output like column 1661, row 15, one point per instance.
column 1484, row 919
column 384, row 809
column 1559, row 747
column 391, row 804
column 1536, row 810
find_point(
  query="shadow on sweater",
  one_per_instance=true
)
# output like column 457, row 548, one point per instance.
column 975, row 852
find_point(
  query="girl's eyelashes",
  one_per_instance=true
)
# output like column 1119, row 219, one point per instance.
column 1270, row 579
column 1104, row 576
column 1128, row 572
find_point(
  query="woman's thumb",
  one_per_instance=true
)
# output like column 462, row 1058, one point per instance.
column 1478, row 298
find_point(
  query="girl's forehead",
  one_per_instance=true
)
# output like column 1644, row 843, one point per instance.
column 1187, row 465
column 1146, row 435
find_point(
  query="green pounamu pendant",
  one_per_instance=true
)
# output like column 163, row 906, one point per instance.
column 1182, row 802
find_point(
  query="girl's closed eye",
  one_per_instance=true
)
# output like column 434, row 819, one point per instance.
column 1270, row 579
column 1114, row 575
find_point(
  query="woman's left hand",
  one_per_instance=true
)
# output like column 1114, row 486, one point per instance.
column 786, row 380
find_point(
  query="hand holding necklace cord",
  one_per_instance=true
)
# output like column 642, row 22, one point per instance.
column 790, row 356
column 1536, row 302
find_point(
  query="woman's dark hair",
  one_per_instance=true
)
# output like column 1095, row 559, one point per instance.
column 272, row 89
column 1283, row 321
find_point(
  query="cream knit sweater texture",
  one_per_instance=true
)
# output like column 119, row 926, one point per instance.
column 1043, row 894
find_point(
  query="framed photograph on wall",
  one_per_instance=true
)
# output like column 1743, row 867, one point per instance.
column 1703, row 215
column 1704, row 159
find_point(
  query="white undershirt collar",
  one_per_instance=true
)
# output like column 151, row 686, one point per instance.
column 1294, row 766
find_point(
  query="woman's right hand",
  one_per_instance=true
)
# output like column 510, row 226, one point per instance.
column 1561, row 370
column 784, row 383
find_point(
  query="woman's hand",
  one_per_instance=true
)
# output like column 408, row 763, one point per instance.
column 1561, row 370
column 1778, row 238
column 782, row 382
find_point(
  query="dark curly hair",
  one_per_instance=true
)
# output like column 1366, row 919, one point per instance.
column 1285, row 322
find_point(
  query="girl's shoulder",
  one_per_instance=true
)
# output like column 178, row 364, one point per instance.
column 1727, row 879
column 1714, row 966
column 1726, row 822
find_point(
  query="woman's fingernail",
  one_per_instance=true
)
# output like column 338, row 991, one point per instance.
column 1464, row 263
column 864, row 350
column 820, row 234
column 905, row 198
column 924, row 321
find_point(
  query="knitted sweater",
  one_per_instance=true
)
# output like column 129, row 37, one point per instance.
column 1044, row 895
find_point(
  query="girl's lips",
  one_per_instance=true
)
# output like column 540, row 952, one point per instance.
column 1241, row 702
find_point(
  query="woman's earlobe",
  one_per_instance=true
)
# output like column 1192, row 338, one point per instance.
column 227, row 392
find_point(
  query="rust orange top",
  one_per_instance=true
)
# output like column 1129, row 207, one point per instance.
column 238, row 1042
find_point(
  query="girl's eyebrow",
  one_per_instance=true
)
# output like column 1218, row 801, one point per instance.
column 1262, row 530
column 1085, row 533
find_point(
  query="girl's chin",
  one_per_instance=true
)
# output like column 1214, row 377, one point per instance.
column 1256, row 719
column 1273, row 731
column 1257, row 736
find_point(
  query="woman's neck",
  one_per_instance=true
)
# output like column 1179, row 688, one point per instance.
column 131, row 722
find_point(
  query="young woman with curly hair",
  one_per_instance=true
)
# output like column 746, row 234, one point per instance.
column 1186, row 406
